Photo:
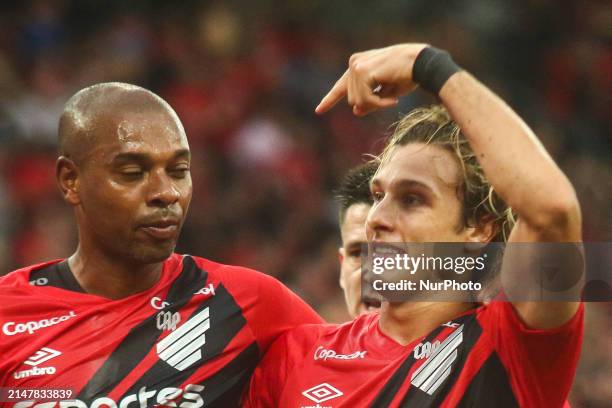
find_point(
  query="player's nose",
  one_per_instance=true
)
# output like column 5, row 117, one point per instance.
column 380, row 220
column 162, row 190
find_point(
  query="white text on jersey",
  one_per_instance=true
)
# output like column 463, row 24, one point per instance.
column 13, row 328
column 324, row 354
column 41, row 356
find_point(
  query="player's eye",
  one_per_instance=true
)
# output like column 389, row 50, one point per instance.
column 180, row 172
column 355, row 253
column 377, row 196
column 131, row 173
column 412, row 200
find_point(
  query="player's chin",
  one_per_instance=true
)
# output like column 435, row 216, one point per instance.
column 153, row 253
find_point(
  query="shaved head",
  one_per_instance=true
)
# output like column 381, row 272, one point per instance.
column 92, row 109
column 124, row 167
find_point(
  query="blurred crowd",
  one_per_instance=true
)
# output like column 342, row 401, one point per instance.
column 244, row 77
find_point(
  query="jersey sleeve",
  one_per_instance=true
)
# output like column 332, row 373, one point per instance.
column 266, row 383
column 541, row 363
column 279, row 310
column 269, row 307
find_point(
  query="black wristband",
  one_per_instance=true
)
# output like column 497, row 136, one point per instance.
column 432, row 68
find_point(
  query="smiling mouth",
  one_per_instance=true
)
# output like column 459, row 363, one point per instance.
column 388, row 248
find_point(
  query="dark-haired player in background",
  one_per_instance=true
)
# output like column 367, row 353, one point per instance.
column 124, row 321
column 435, row 183
column 354, row 201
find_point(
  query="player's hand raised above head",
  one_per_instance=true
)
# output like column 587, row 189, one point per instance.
column 374, row 79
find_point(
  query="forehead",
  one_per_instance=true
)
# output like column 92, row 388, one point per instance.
column 428, row 164
column 353, row 227
column 144, row 132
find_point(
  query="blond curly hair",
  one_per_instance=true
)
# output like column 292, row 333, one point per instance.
column 433, row 125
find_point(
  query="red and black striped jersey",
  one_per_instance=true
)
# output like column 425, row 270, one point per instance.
column 192, row 340
column 483, row 358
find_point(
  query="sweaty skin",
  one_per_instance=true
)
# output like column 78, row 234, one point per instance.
column 124, row 169
column 507, row 150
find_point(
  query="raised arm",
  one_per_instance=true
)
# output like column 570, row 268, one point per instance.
column 513, row 159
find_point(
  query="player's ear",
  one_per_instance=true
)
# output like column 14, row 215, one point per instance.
column 67, row 176
column 483, row 231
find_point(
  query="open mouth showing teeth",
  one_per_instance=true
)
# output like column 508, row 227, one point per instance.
column 387, row 249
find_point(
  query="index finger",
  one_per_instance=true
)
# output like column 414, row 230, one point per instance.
column 337, row 92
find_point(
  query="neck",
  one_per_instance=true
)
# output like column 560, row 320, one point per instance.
column 112, row 278
column 405, row 322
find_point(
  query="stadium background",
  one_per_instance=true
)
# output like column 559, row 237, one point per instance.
column 245, row 76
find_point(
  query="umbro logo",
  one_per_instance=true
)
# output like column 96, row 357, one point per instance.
column 432, row 373
column 182, row 347
column 321, row 393
column 41, row 356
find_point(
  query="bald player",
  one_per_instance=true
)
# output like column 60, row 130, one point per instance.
column 354, row 201
column 125, row 321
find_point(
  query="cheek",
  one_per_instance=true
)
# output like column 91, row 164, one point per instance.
column 186, row 192
column 110, row 206
column 353, row 263
column 186, row 198
column 345, row 270
column 349, row 269
column 438, row 224
column 355, row 282
column 351, row 284
column 451, row 219
column 416, row 225
column 427, row 225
